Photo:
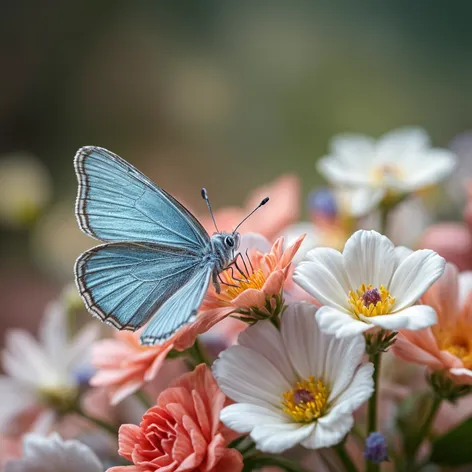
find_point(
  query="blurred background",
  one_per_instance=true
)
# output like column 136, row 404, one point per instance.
column 226, row 95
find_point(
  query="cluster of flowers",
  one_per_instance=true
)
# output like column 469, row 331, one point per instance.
column 286, row 356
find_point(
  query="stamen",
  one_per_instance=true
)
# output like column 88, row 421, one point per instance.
column 255, row 280
column 370, row 301
column 307, row 402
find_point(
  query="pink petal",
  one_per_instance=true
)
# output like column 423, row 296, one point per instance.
column 409, row 352
column 128, row 436
column 274, row 283
column 290, row 252
column 250, row 298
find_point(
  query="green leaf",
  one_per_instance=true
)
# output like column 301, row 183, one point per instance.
column 455, row 447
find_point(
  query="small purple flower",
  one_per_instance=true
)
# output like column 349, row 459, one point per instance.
column 322, row 201
column 376, row 448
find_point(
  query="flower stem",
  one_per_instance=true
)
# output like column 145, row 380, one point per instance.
column 98, row 422
column 283, row 463
column 372, row 408
column 144, row 399
column 345, row 458
column 425, row 428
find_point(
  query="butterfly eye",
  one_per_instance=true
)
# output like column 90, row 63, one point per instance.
column 229, row 241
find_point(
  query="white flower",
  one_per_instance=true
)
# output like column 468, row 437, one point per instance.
column 399, row 162
column 371, row 283
column 52, row 454
column 293, row 386
column 41, row 373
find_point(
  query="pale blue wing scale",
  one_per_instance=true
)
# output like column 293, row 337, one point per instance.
column 125, row 284
column 179, row 310
column 116, row 202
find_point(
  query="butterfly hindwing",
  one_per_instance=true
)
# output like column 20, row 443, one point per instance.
column 124, row 284
column 116, row 202
column 178, row 310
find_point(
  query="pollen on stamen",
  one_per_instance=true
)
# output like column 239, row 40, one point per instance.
column 371, row 301
column 307, row 402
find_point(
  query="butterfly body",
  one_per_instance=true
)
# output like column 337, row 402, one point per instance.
column 156, row 261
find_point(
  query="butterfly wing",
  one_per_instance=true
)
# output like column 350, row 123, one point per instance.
column 125, row 284
column 116, row 202
column 178, row 310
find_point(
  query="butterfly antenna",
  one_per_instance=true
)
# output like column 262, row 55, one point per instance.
column 207, row 200
column 266, row 199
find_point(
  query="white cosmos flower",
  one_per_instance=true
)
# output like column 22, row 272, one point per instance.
column 42, row 372
column 52, row 454
column 293, row 386
column 399, row 162
column 372, row 283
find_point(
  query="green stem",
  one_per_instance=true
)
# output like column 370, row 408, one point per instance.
column 198, row 355
column 372, row 408
column 384, row 211
column 144, row 399
column 98, row 422
column 278, row 461
column 424, row 430
column 345, row 458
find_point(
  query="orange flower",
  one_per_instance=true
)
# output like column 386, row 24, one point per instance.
column 448, row 344
column 243, row 294
column 183, row 431
column 124, row 366
column 284, row 209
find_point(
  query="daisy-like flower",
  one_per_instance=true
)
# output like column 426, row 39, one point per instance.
column 52, row 454
column 257, row 291
column 370, row 284
column 448, row 344
column 398, row 163
column 290, row 386
column 124, row 365
column 183, row 431
column 41, row 374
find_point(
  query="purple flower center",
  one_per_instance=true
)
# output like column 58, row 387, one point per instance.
column 371, row 296
column 302, row 395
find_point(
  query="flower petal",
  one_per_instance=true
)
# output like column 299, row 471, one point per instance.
column 411, row 352
column 322, row 275
column 413, row 318
column 279, row 438
column 265, row 338
column 369, row 258
column 365, row 199
column 330, row 430
column 333, row 321
column 414, row 276
column 246, row 376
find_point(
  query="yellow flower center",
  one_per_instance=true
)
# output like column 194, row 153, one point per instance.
column 371, row 301
column 386, row 171
column 255, row 280
column 456, row 341
column 307, row 401
column 61, row 398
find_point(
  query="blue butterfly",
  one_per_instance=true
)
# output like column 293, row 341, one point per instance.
column 157, row 260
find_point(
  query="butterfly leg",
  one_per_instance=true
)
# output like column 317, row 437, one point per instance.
column 215, row 281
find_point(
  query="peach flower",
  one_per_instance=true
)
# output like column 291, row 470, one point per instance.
column 183, row 431
column 10, row 448
column 124, row 365
column 263, row 281
column 284, row 209
column 448, row 344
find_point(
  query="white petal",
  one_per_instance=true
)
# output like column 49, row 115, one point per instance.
column 247, row 377
column 15, row 397
column 353, row 150
column 414, row 276
column 329, row 431
column 413, row 318
column 244, row 417
column 304, row 343
column 254, row 241
column 338, row 173
column 265, row 338
column 357, row 392
column 465, row 286
column 279, row 438
column 340, row 374
column 79, row 349
column 365, row 199
column 293, row 232
column 395, row 145
column 333, row 321
column 53, row 331
column 401, row 253
column 322, row 275
column 53, row 454
column 429, row 168
column 369, row 258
